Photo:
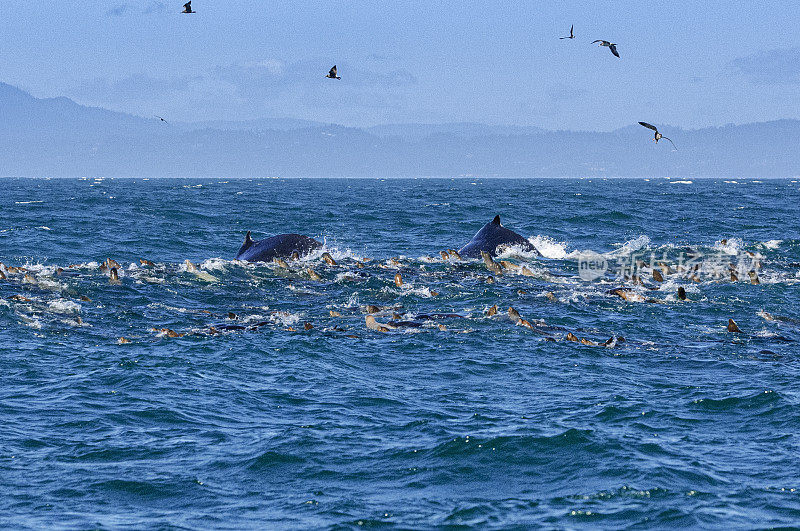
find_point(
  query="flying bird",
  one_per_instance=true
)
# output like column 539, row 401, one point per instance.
column 187, row 7
column 332, row 73
column 571, row 33
column 658, row 136
column 163, row 120
column 611, row 46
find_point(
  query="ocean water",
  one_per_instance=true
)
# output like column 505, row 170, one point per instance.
column 252, row 420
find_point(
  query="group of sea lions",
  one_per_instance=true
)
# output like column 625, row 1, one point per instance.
column 488, row 243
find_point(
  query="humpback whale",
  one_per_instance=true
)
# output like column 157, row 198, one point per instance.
column 490, row 237
column 280, row 246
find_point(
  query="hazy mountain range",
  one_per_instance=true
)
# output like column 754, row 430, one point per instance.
column 57, row 137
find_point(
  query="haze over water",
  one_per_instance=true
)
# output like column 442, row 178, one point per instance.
column 477, row 422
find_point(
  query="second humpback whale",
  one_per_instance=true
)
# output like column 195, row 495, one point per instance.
column 490, row 237
column 280, row 246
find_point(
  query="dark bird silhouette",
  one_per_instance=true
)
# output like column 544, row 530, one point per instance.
column 163, row 120
column 611, row 46
column 658, row 136
column 571, row 33
column 332, row 73
column 187, row 7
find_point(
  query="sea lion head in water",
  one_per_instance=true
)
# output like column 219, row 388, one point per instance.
column 492, row 236
column 329, row 259
column 491, row 265
column 372, row 324
column 733, row 327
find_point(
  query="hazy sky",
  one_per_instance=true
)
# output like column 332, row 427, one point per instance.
column 691, row 64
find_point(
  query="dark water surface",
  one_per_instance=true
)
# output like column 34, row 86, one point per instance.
column 254, row 421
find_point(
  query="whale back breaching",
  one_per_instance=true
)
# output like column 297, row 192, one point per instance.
column 280, row 246
column 490, row 237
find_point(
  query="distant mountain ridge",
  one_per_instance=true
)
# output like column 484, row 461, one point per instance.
column 56, row 137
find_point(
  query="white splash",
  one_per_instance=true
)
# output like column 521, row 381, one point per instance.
column 731, row 246
column 409, row 290
column 347, row 276
column 515, row 251
column 548, row 247
column 285, row 318
column 64, row 306
column 336, row 254
column 215, row 264
column 352, row 301
column 629, row 247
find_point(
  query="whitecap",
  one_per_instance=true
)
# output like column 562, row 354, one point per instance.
column 64, row 306
column 410, row 290
column 353, row 301
column 51, row 285
column 34, row 323
column 347, row 276
column 630, row 246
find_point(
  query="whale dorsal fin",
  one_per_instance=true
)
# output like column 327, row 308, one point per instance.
column 248, row 242
column 496, row 220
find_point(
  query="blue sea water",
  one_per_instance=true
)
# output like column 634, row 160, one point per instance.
column 251, row 420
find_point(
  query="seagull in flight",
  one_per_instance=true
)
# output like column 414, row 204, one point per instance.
column 571, row 33
column 332, row 73
column 611, row 46
column 163, row 120
column 187, row 7
column 658, row 136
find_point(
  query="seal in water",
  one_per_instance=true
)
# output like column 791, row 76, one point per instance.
column 490, row 237
column 280, row 246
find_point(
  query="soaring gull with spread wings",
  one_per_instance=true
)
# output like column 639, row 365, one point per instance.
column 611, row 46
column 658, row 136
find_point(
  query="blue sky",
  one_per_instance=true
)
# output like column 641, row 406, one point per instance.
column 690, row 64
